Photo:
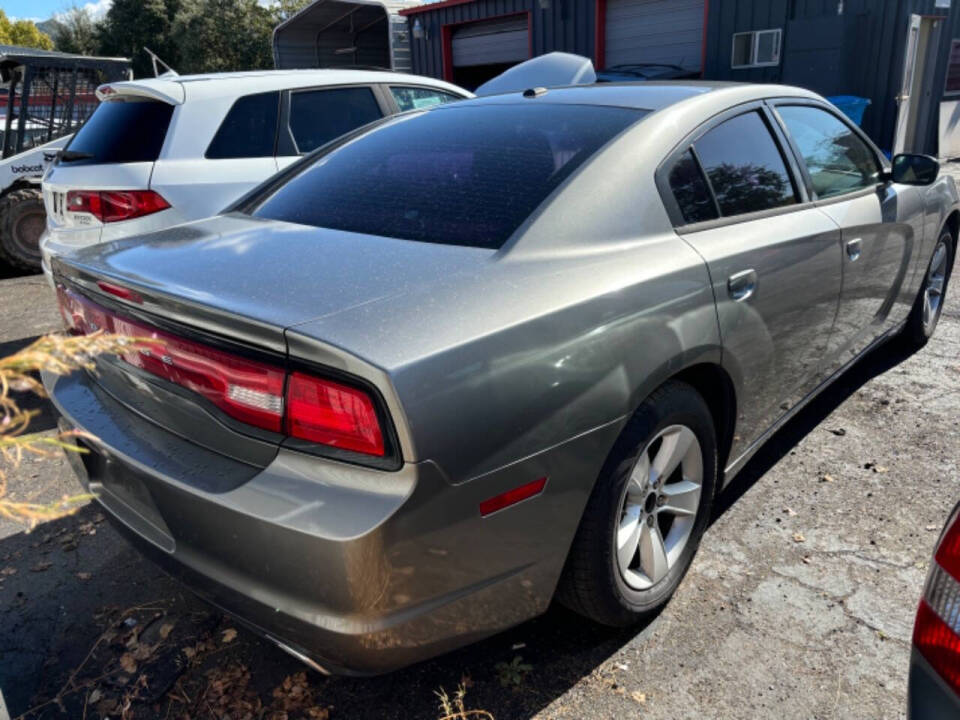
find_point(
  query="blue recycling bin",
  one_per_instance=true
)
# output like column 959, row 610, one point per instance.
column 851, row 106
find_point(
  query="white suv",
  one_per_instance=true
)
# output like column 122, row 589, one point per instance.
column 163, row 151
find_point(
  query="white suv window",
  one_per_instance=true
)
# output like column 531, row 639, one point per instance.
column 417, row 98
column 249, row 129
column 319, row 116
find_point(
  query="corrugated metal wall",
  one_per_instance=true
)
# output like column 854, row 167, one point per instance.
column 867, row 53
column 567, row 25
column 654, row 31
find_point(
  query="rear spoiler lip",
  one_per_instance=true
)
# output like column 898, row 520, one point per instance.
column 178, row 311
column 172, row 93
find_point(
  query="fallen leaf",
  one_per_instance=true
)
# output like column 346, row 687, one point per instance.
column 826, row 478
column 95, row 696
column 83, row 576
column 806, row 560
column 165, row 630
column 880, row 469
column 189, row 651
column 128, row 663
column 8, row 571
column 933, row 527
column 790, row 511
column 41, row 566
column 229, row 635
column 639, row 696
column 798, row 537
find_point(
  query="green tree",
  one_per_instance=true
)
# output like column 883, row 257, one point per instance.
column 132, row 24
column 75, row 31
column 223, row 35
column 284, row 9
column 23, row 33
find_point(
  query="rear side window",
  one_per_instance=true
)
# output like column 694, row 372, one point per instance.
column 125, row 130
column 414, row 98
column 461, row 175
column 319, row 116
column 745, row 167
column 691, row 191
column 249, row 129
column 838, row 161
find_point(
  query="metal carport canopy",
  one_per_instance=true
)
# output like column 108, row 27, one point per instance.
column 337, row 33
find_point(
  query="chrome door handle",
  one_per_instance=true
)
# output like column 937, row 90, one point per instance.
column 854, row 249
column 742, row 285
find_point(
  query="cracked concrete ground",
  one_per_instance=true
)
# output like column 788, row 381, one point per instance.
column 800, row 602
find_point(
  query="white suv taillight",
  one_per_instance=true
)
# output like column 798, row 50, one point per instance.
column 936, row 634
column 115, row 205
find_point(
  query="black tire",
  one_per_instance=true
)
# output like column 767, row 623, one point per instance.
column 917, row 331
column 22, row 220
column 592, row 583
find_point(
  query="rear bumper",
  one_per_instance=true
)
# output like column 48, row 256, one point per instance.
column 928, row 696
column 363, row 571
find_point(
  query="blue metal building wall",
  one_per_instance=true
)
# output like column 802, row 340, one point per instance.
column 868, row 52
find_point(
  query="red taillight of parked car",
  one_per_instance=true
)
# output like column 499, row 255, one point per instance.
column 303, row 406
column 115, row 205
column 332, row 414
column 936, row 634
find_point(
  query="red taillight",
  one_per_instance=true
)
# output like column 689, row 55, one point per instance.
column 317, row 410
column 115, row 205
column 936, row 634
column 332, row 414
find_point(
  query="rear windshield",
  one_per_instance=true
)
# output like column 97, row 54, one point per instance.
column 125, row 130
column 461, row 175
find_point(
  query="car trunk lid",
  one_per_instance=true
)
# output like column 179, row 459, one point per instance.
column 250, row 279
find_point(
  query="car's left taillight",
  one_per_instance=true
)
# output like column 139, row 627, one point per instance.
column 322, row 411
column 936, row 634
column 115, row 205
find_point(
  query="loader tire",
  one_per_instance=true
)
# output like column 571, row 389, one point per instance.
column 22, row 220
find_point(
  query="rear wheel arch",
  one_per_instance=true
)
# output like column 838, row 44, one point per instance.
column 716, row 387
column 952, row 223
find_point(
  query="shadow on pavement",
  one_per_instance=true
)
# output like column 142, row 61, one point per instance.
column 69, row 585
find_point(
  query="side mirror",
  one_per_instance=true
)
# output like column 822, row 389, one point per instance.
column 908, row 169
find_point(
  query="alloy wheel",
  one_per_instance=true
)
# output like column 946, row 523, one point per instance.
column 933, row 290
column 659, row 507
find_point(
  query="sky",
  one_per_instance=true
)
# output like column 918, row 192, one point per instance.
column 44, row 9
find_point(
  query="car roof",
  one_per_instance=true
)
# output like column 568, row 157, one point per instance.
column 176, row 88
column 653, row 95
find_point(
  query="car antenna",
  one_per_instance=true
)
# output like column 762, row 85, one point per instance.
column 154, row 58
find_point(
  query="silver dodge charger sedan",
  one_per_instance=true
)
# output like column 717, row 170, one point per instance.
column 470, row 359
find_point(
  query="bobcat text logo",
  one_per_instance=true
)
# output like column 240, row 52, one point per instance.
column 17, row 169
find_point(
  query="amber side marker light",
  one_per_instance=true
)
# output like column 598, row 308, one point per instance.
column 512, row 497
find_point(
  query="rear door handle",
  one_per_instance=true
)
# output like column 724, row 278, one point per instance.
column 854, row 248
column 742, row 285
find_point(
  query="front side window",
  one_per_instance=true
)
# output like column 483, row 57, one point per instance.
column 465, row 174
column 319, row 116
column 745, row 166
column 838, row 161
column 249, row 129
column 691, row 191
column 414, row 98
